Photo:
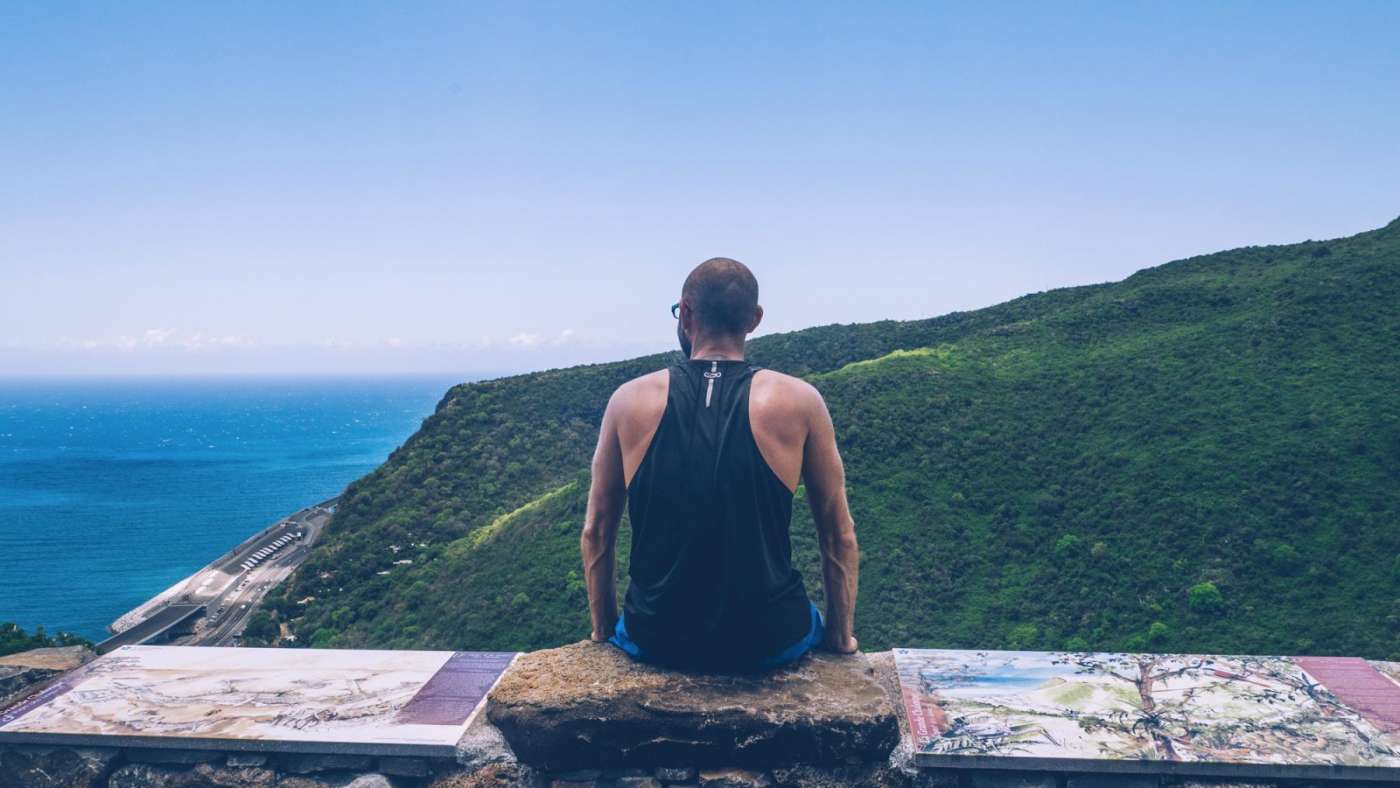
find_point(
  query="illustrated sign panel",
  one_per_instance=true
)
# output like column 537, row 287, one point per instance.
column 1305, row 717
column 297, row 700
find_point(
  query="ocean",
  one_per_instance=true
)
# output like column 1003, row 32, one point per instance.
column 112, row 490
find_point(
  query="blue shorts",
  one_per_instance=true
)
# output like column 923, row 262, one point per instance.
column 787, row 656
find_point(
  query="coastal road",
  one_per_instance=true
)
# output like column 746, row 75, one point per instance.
column 230, row 591
column 232, row 606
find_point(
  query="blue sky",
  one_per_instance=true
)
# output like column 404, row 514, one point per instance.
column 455, row 187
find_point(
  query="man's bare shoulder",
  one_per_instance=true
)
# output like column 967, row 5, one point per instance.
column 643, row 385
column 641, row 392
column 775, row 391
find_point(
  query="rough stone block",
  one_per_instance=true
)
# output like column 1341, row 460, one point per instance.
column 587, row 704
column 733, row 778
column 335, row 780
column 17, row 683
column 27, row 672
column 204, row 775
column 868, row 775
column 932, row 778
column 481, row 745
column 308, row 763
column 313, row 781
column 988, row 778
column 59, row 658
column 491, row 775
column 55, row 767
column 578, row 775
column 674, row 774
column 636, row 782
column 185, row 757
column 246, row 759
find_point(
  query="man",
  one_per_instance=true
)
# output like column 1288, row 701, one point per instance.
column 706, row 456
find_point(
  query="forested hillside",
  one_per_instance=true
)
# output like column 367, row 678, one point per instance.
column 1202, row 457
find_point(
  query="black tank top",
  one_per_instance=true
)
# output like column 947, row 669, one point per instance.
column 711, row 565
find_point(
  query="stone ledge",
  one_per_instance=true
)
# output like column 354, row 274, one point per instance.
column 57, row 658
column 588, row 705
column 830, row 722
column 28, row 671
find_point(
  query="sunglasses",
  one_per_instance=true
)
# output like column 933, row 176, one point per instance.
column 676, row 310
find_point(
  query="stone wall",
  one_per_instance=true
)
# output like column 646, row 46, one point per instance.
column 89, row 767
column 584, row 716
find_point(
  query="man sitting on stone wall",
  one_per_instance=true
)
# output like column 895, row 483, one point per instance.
column 706, row 456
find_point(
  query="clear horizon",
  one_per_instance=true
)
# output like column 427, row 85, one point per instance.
column 269, row 190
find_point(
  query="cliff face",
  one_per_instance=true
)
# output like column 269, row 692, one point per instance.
column 1204, row 457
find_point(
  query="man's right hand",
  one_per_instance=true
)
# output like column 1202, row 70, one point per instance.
column 840, row 644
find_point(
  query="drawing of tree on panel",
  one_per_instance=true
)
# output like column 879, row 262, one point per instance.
column 1157, row 707
column 1226, row 709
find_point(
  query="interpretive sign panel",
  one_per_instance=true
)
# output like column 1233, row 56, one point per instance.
column 287, row 700
column 1230, row 716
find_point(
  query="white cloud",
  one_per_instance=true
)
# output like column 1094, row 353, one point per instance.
column 538, row 339
column 155, row 337
column 201, row 341
column 158, row 338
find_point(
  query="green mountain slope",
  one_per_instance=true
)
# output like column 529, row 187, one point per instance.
column 1202, row 457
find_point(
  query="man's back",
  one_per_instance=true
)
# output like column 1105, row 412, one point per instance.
column 706, row 455
column 780, row 410
column 712, row 577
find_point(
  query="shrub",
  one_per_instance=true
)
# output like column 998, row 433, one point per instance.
column 261, row 629
column 1205, row 598
column 1282, row 557
column 1022, row 636
column 1067, row 544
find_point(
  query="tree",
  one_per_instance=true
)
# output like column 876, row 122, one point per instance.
column 1205, row 599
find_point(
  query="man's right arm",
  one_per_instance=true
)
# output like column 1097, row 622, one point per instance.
column 607, row 496
column 825, row 478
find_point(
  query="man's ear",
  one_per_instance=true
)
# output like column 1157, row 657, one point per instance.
column 757, row 318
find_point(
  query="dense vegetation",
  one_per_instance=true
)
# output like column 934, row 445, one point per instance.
column 1202, row 457
column 13, row 639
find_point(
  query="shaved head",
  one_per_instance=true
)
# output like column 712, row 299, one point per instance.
column 723, row 294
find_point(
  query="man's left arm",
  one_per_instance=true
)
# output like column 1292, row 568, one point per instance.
column 607, row 496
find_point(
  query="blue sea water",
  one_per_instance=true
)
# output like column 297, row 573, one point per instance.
column 112, row 490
